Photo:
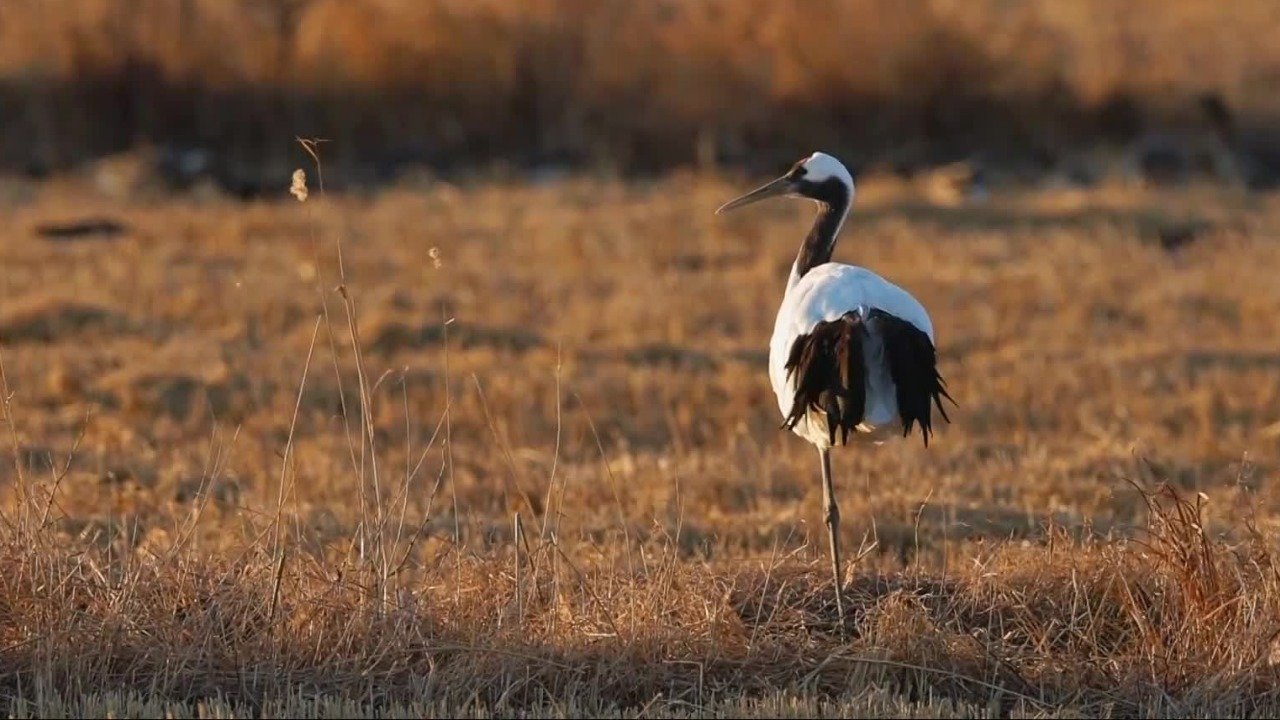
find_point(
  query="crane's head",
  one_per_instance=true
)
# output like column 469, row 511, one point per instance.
column 818, row 177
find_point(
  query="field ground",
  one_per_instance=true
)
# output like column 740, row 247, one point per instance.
column 552, row 480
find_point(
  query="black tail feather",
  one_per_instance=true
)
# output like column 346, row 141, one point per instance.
column 830, row 374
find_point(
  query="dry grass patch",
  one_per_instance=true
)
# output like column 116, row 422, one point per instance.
column 1173, row 621
column 623, row 84
column 303, row 523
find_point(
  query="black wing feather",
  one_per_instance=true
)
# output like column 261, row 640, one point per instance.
column 913, row 366
column 831, row 375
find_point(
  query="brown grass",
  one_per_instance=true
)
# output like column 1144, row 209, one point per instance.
column 216, row 505
column 633, row 85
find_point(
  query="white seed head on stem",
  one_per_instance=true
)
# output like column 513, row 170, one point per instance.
column 299, row 187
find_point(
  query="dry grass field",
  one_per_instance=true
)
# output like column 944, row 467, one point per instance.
column 510, row 448
column 485, row 429
column 651, row 85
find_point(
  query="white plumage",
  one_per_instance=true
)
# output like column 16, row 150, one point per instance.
column 825, row 293
column 820, row 167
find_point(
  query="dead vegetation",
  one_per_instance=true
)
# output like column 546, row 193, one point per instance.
column 548, row 476
column 204, row 89
column 1172, row 621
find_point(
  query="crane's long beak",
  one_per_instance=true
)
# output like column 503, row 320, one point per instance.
column 781, row 186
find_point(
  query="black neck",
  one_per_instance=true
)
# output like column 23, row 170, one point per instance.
column 833, row 200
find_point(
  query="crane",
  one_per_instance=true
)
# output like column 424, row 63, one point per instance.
column 851, row 352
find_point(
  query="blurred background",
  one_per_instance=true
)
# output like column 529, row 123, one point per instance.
column 211, row 93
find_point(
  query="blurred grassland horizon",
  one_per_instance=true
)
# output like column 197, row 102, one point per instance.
column 629, row 86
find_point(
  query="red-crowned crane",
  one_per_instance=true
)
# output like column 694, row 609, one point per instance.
column 851, row 352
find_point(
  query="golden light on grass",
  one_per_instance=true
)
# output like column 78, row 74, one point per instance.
column 659, row 82
column 199, row 517
column 264, row 460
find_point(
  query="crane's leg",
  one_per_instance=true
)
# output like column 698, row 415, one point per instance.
column 833, row 528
